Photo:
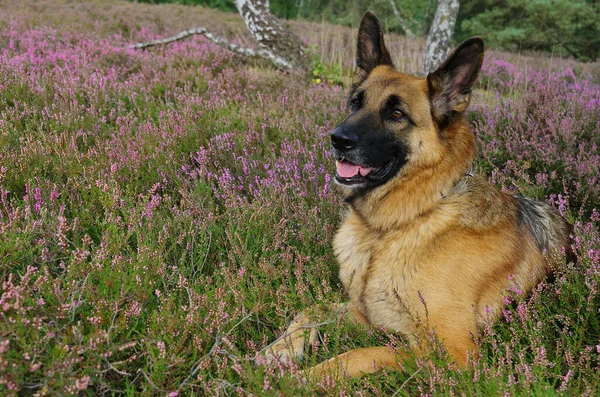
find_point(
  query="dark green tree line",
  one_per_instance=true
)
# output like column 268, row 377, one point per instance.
column 567, row 26
column 572, row 26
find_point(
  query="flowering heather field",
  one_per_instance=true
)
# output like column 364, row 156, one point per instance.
column 165, row 213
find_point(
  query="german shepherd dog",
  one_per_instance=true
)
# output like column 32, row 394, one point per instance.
column 424, row 244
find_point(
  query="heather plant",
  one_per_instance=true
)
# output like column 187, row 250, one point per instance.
column 545, row 141
column 165, row 213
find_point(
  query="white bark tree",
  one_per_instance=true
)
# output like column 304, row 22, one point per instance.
column 270, row 34
column 285, row 50
column 439, row 43
column 276, row 43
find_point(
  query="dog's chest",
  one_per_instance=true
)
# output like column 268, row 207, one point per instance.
column 377, row 271
column 353, row 246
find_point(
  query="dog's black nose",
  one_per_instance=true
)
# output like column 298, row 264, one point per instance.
column 342, row 139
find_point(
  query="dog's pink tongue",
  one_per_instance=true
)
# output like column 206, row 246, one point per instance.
column 364, row 171
column 346, row 169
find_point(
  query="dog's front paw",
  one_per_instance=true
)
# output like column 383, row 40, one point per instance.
column 284, row 351
column 290, row 346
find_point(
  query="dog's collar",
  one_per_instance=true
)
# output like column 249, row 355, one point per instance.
column 469, row 174
column 470, row 171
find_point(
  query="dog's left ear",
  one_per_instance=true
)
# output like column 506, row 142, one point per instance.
column 370, row 49
column 450, row 85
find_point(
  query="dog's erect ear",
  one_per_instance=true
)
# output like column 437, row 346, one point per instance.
column 450, row 85
column 370, row 49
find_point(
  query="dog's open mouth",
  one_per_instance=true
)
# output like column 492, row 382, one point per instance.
column 348, row 173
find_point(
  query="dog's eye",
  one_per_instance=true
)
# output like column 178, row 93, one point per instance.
column 398, row 114
column 354, row 104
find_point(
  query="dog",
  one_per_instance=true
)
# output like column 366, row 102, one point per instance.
column 424, row 245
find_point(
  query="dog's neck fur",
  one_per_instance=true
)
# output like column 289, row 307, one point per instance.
column 420, row 189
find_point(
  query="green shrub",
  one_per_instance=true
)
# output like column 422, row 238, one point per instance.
column 572, row 27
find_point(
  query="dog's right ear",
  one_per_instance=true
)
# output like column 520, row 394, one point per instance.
column 370, row 50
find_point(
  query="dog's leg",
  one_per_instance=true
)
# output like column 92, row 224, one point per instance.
column 357, row 362
column 456, row 336
column 291, row 344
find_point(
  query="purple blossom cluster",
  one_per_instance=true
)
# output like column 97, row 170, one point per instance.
column 544, row 142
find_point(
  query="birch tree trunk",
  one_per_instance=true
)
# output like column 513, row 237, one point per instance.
column 439, row 44
column 271, row 35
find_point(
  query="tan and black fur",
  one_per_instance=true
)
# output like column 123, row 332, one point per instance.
column 424, row 245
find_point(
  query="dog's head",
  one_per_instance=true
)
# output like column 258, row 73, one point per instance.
column 399, row 123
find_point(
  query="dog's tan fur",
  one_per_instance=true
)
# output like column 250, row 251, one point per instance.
column 433, row 247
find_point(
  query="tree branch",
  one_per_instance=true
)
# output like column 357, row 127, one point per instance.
column 403, row 23
column 279, row 62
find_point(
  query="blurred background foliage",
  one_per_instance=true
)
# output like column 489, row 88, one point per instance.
column 572, row 26
column 561, row 26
